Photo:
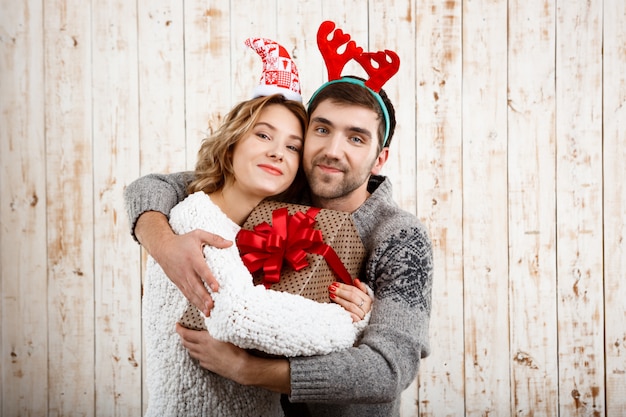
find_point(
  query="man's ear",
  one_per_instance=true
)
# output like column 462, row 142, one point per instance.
column 380, row 161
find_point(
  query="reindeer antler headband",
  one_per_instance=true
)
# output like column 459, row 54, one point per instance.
column 387, row 66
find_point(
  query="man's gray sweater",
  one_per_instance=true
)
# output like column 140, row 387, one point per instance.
column 367, row 379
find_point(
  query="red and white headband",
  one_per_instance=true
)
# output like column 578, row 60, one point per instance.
column 280, row 74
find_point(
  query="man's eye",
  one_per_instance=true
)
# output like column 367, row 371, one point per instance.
column 322, row 130
column 356, row 139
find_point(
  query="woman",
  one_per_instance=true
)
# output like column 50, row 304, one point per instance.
column 254, row 155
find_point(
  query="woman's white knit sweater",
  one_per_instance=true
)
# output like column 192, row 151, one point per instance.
column 248, row 316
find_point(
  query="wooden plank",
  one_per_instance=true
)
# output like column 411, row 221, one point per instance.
column 162, row 143
column 531, row 210
column 23, row 279
column 351, row 16
column 532, row 206
column 246, row 64
column 485, row 240
column 117, row 267
column 299, row 37
column 614, row 114
column 161, row 86
column 399, row 25
column 208, row 74
column 439, row 199
column 579, row 208
column 69, row 182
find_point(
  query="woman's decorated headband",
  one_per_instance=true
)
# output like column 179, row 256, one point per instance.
column 280, row 74
column 387, row 64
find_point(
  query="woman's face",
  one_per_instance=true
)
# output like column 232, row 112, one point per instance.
column 266, row 160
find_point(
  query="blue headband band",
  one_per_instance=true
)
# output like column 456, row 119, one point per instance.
column 361, row 83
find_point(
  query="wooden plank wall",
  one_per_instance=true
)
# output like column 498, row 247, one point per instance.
column 510, row 148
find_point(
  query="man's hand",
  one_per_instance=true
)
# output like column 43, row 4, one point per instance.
column 216, row 356
column 181, row 256
column 235, row 363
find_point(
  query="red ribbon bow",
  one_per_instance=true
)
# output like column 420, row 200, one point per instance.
column 289, row 238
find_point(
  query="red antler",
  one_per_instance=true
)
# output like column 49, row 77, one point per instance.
column 387, row 62
column 335, row 62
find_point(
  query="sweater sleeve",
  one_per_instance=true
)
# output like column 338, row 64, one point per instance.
column 253, row 317
column 387, row 358
column 155, row 192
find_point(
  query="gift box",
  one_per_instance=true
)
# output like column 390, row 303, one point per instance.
column 300, row 249
column 296, row 249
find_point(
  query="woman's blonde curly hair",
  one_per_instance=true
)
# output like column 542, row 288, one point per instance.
column 215, row 157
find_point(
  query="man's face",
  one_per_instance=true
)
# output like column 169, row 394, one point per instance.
column 340, row 154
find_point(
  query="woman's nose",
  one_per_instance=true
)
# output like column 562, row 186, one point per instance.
column 275, row 153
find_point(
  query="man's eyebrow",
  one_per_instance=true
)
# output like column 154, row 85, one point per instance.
column 323, row 120
column 364, row 132
column 355, row 129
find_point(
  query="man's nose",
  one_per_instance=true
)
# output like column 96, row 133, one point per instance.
column 334, row 146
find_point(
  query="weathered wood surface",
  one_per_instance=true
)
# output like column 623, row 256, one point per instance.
column 532, row 242
column 510, row 148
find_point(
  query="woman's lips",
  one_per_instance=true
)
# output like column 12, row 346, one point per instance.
column 270, row 169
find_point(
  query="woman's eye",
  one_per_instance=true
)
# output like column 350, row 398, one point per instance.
column 263, row 136
column 294, row 148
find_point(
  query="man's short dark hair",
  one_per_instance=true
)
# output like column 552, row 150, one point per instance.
column 353, row 94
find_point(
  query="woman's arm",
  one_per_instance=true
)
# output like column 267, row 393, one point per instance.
column 253, row 317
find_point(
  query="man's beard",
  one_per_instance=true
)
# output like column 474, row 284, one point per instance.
column 327, row 187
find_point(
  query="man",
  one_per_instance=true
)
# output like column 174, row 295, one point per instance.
column 346, row 146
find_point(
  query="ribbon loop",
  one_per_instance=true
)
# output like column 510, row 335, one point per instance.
column 289, row 239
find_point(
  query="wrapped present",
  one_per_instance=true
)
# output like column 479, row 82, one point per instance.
column 296, row 249
column 300, row 249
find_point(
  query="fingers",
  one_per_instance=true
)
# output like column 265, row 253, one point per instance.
column 182, row 332
column 188, row 336
column 211, row 354
column 360, row 285
column 214, row 240
column 209, row 239
column 191, row 340
column 199, row 296
column 188, row 277
column 353, row 299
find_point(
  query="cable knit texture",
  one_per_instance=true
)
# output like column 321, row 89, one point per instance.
column 249, row 316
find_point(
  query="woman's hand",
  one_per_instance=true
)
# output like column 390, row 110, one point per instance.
column 354, row 298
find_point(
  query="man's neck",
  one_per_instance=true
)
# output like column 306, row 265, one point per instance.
column 347, row 203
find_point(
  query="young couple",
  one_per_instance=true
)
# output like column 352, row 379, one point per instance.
column 351, row 123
